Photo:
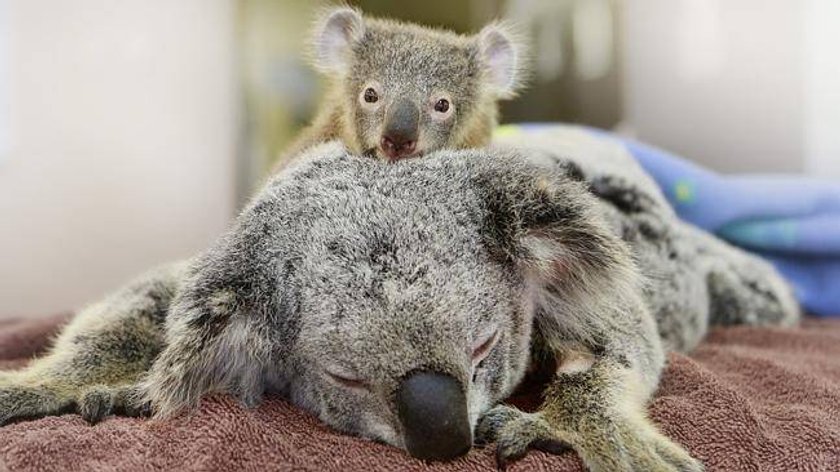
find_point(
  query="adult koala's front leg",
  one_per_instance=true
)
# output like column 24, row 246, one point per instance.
column 590, row 314
column 600, row 413
column 95, row 361
column 596, row 405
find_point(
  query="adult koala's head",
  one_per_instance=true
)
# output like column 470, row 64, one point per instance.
column 394, row 301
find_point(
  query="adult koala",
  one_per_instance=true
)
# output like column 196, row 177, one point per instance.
column 399, row 302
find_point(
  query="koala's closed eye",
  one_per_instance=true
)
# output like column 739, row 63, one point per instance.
column 346, row 378
column 482, row 348
column 484, row 345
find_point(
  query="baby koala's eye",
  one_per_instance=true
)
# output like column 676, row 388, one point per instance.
column 370, row 95
column 442, row 105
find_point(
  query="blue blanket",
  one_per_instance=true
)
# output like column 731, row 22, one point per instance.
column 793, row 221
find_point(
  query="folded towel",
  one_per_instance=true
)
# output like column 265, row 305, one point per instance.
column 793, row 221
column 747, row 399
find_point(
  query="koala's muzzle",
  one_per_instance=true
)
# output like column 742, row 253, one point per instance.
column 402, row 129
column 433, row 410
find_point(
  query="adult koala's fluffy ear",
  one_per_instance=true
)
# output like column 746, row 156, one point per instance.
column 335, row 32
column 503, row 56
column 552, row 229
column 229, row 322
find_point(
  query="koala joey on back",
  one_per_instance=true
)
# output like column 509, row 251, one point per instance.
column 398, row 302
column 398, row 90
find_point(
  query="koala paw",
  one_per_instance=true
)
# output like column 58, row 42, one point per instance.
column 515, row 432
column 750, row 293
column 96, row 404
column 25, row 402
column 92, row 403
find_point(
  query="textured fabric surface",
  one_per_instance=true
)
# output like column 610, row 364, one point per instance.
column 747, row 399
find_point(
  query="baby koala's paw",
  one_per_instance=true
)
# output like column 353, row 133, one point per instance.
column 515, row 432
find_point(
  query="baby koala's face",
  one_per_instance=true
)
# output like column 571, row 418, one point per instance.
column 410, row 90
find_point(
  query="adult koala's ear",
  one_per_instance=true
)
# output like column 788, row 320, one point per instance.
column 550, row 227
column 230, row 324
column 502, row 52
column 335, row 32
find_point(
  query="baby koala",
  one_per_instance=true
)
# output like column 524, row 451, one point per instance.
column 399, row 90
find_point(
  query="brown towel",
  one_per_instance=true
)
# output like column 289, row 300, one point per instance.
column 748, row 399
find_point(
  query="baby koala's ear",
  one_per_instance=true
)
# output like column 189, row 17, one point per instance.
column 503, row 55
column 336, row 29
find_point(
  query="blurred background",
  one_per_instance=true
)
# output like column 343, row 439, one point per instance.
column 132, row 131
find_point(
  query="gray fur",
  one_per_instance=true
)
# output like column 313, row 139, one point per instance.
column 345, row 274
column 692, row 279
column 689, row 280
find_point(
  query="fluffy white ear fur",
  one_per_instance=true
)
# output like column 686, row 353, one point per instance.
column 334, row 34
column 502, row 51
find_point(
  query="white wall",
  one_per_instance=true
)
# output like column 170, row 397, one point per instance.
column 122, row 140
column 822, row 87
column 720, row 81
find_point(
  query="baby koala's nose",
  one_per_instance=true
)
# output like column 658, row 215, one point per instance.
column 432, row 408
column 397, row 146
column 401, row 130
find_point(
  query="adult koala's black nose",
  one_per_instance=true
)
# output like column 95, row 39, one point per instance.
column 433, row 410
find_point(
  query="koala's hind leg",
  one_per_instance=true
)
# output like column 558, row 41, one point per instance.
column 743, row 289
column 96, row 360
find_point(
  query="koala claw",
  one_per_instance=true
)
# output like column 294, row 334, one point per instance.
column 143, row 410
column 492, row 422
column 96, row 404
column 100, row 401
column 515, row 432
column 93, row 404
